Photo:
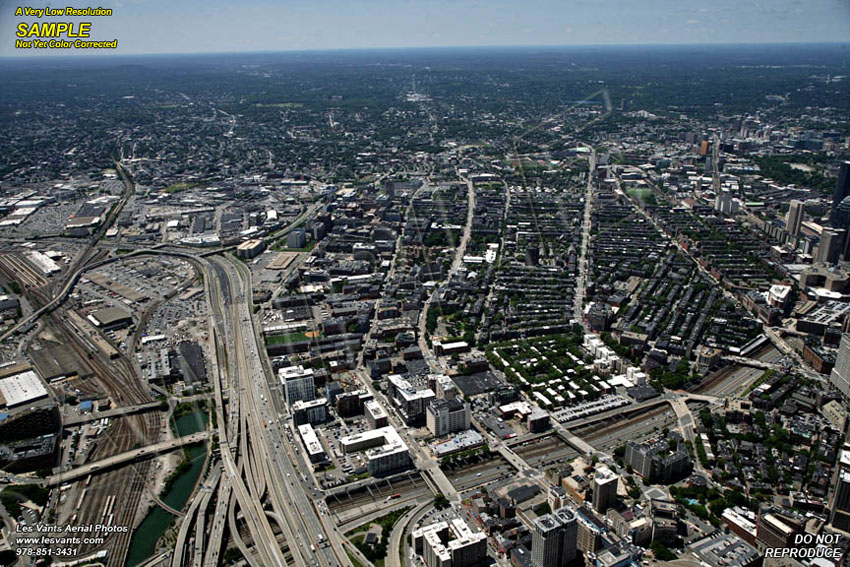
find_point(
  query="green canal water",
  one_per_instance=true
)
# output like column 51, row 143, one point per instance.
column 143, row 543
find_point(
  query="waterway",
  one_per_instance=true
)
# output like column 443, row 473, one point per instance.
column 155, row 524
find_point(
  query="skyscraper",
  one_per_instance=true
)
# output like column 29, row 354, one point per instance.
column 840, row 376
column 795, row 217
column 841, row 217
column 555, row 539
column 842, row 188
column 840, row 511
column 831, row 245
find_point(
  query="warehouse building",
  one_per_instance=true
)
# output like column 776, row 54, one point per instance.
column 20, row 389
column 111, row 318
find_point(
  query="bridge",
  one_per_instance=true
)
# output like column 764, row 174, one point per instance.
column 751, row 362
column 127, row 456
column 615, row 413
column 117, row 412
column 347, row 489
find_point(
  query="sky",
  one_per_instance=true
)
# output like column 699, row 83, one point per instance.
column 203, row 26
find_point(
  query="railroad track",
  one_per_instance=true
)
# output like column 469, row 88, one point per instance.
column 119, row 381
column 342, row 502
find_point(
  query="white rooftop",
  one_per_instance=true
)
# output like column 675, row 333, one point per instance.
column 22, row 388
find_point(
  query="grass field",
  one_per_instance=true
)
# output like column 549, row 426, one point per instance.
column 292, row 338
column 645, row 195
column 177, row 187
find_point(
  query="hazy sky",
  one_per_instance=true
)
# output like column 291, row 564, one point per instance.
column 192, row 26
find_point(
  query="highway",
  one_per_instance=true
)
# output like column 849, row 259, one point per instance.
column 194, row 515
column 127, row 456
column 267, row 469
column 236, row 492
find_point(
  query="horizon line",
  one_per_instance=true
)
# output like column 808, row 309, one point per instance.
column 60, row 55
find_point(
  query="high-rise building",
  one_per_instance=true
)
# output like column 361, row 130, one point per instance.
column 658, row 459
column 723, row 202
column 842, row 187
column 554, row 540
column 831, row 245
column 410, row 400
column 840, row 511
column 590, row 531
column 841, row 217
column 450, row 544
column 604, row 489
column 840, row 376
column 794, row 219
column 298, row 383
column 297, row 238
column 447, row 416
column 776, row 530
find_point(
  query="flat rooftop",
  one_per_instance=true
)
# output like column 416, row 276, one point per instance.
column 21, row 389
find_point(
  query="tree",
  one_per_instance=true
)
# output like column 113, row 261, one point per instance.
column 662, row 552
column 441, row 502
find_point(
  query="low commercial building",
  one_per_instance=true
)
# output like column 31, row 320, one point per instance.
column 43, row 262
column 725, row 549
column 463, row 441
column 450, row 544
column 9, row 303
column 385, row 450
column 311, row 442
column 448, row 349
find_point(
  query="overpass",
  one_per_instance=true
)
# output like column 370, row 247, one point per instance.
column 626, row 411
column 127, row 456
column 744, row 361
column 117, row 412
column 574, row 441
column 371, row 482
column 616, row 413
